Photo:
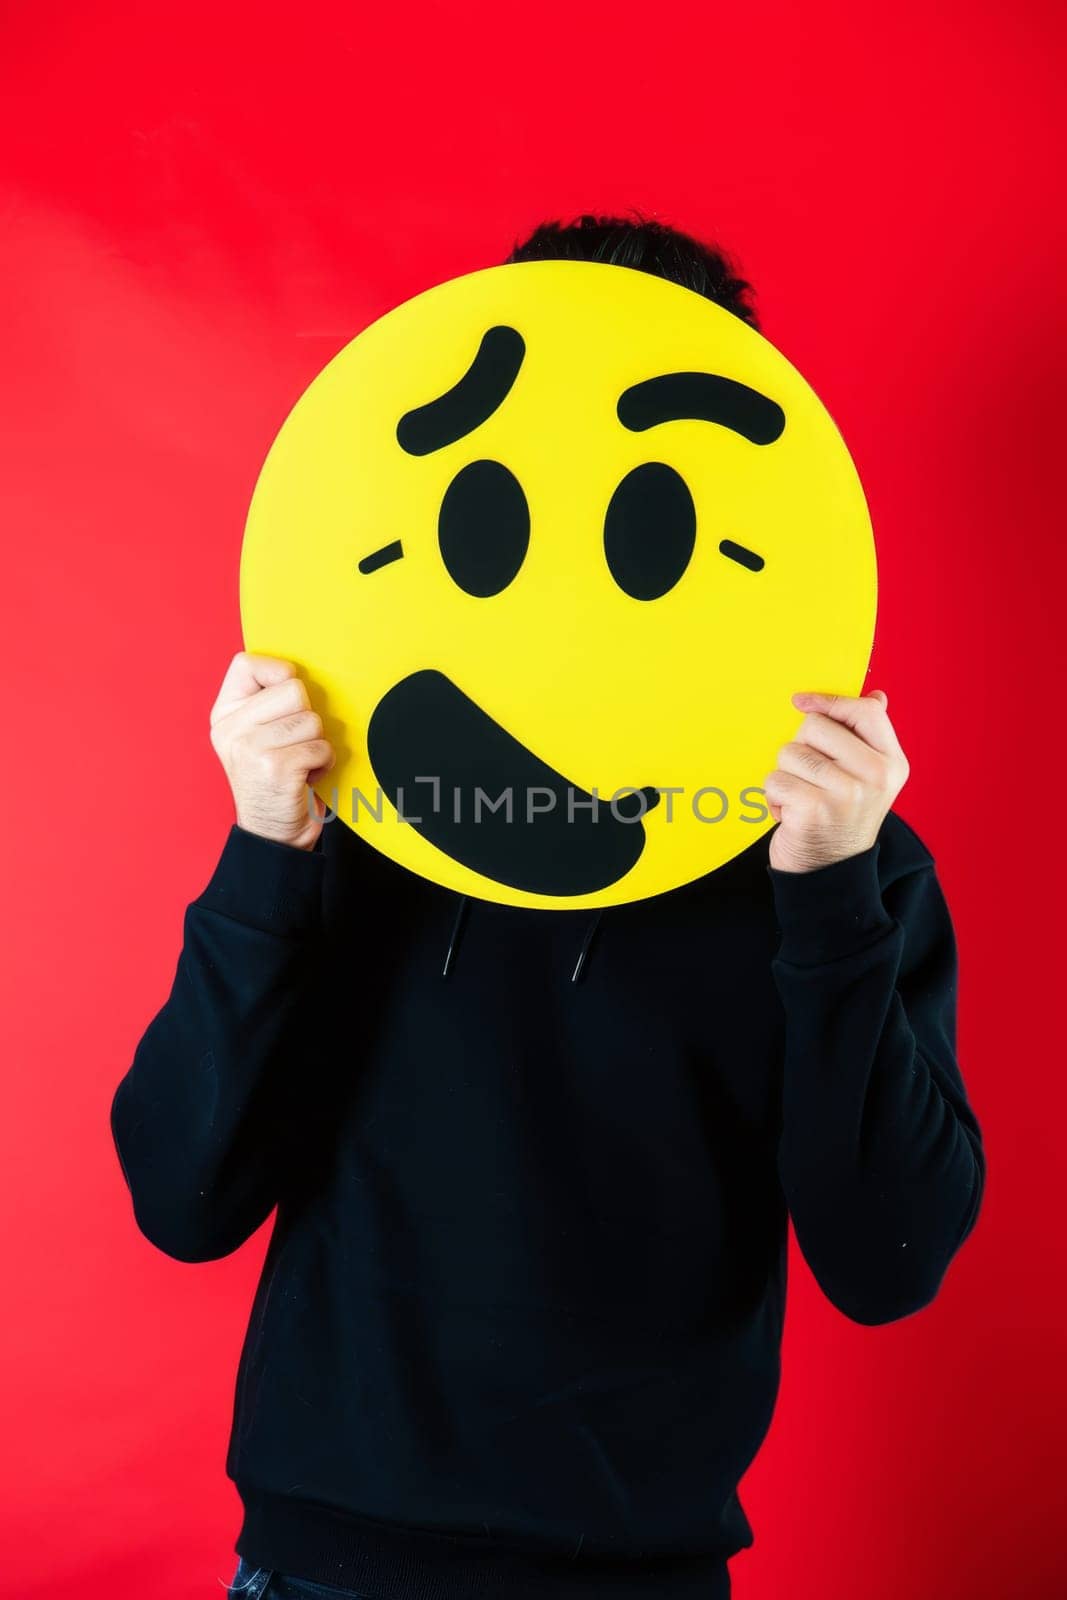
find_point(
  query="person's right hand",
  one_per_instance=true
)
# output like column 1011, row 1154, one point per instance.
column 271, row 747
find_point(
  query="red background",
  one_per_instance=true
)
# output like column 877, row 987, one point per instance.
column 200, row 206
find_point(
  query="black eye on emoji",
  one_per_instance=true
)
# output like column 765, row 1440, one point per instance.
column 649, row 531
column 483, row 528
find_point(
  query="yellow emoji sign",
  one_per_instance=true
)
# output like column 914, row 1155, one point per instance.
column 553, row 543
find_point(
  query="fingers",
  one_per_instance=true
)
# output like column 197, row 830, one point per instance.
column 820, row 771
column 286, row 698
column 833, row 740
column 313, row 755
column 275, row 733
column 271, row 745
column 865, row 715
column 279, row 769
column 783, row 788
column 246, row 676
column 274, row 721
column 299, row 748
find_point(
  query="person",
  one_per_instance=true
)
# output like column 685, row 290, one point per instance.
column 518, row 1326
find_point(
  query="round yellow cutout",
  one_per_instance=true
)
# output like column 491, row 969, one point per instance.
column 552, row 544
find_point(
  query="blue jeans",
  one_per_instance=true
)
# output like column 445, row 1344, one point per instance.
column 256, row 1583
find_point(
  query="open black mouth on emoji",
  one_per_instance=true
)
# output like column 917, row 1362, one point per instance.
column 475, row 792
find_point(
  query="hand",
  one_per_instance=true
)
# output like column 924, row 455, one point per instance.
column 834, row 782
column 271, row 747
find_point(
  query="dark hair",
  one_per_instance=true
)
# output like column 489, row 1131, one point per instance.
column 650, row 247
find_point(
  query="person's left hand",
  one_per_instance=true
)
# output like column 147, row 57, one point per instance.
column 835, row 782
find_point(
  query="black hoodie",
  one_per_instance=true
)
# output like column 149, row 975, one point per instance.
column 517, row 1331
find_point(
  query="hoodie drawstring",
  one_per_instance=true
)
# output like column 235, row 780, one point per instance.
column 460, row 922
column 590, row 935
column 457, row 929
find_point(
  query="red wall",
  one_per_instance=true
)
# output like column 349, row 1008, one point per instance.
column 198, row 209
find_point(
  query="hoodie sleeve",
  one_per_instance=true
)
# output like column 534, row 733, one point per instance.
column 880, row 1155
column 200, row 1118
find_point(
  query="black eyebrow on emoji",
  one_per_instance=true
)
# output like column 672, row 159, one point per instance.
column 483, row 387
column 701, row 397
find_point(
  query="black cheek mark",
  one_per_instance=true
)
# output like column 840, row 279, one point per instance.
column 382, row 557
column 649, row 531
column 483, row 528
column 743, row 557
